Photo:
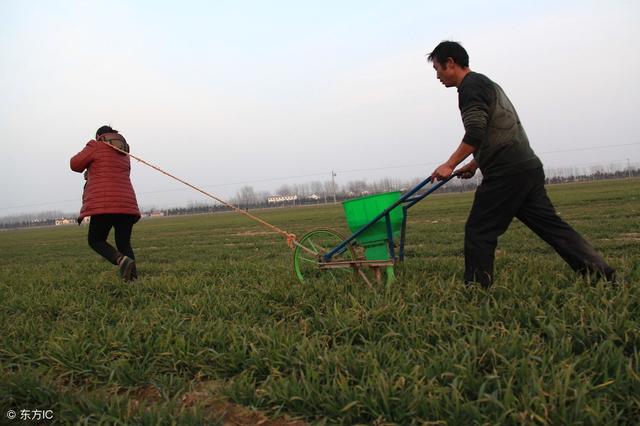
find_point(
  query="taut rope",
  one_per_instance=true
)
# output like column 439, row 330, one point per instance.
column 291, row 238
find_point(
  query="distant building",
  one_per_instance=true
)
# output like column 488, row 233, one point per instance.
column 275, row 199
column 313, row 197
column 67, row 221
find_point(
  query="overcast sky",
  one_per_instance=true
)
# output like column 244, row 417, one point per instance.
column 223, row 92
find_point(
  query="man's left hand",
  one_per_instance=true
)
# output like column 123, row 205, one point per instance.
column 467, row 171
column 442, row 172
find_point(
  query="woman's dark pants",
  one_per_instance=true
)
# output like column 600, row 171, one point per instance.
column 99, row 227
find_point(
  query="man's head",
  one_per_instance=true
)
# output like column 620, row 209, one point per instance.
column 451, row 62
column 104, row 129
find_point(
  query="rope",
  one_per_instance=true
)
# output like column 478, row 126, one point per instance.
column 291, row 238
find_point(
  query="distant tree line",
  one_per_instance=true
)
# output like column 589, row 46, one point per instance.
column 323, row 192
column 317, row 192
column 47, row 218
column 572, row 175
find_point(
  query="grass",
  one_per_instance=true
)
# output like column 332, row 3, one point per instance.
column 218, row 315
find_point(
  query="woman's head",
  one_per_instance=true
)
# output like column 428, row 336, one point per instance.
column 104, row 129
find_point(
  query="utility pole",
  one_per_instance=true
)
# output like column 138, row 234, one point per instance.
column 628, row 168
column 333, row 185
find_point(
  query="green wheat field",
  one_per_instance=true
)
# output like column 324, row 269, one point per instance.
column 217, row 330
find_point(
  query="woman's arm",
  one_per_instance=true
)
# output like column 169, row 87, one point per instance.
column 81, row 160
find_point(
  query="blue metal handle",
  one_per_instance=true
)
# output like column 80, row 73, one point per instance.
column 404, row 198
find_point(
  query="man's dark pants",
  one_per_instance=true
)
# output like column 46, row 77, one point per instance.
column 99, row 228
column 497, row 201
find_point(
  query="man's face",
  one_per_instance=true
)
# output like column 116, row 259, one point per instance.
column 445, row 72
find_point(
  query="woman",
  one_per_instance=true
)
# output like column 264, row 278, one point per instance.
column 109, row 198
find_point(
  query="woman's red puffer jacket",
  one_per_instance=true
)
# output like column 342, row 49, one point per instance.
column 108, row 188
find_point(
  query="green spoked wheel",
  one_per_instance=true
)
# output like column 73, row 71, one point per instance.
column 307, row 257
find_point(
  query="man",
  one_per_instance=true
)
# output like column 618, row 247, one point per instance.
column 513, row 178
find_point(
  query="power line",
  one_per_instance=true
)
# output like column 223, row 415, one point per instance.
column 369, row 169
column 244, row 182
column 593, row 163
column 38, row 204
column 588, row 148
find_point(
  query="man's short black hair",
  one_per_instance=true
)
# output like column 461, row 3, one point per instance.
column 105, row 129
column 450, row 49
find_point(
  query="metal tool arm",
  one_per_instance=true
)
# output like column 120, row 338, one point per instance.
column 405, row 198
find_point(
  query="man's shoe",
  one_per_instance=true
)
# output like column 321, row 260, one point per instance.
column 134, row 272
column 610, row 276
column 126, row 267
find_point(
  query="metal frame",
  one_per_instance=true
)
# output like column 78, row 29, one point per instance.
column 409, row 200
